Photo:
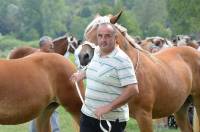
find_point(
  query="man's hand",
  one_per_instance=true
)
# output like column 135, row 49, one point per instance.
column 128, row 92
column 100, row 111
column 78, row 76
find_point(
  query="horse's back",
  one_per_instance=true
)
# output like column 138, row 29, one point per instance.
column 21, row 52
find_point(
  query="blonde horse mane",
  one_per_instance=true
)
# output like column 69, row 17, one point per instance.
column 123, row 30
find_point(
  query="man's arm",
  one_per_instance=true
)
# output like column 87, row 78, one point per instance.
column 128, row 92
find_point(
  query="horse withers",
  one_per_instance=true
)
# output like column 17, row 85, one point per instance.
column 165, row 79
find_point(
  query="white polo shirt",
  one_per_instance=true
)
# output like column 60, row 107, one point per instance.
column 106, row 78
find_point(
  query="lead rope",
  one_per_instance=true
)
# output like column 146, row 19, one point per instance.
column 107, row 122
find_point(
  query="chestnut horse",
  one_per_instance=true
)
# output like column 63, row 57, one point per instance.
column 34, row 86
column 62, row 45
column 165, row 79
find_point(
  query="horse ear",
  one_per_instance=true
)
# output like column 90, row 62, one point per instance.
column 80, row 41
column 114, row 19
column 178, row 38
column 174, row 40
column 71, row 38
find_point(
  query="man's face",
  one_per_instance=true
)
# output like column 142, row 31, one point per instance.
column 47, row 47
column 106, row 38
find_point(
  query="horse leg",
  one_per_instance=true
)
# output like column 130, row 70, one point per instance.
column 144, row 120
column 43, row 120
column 182, row 118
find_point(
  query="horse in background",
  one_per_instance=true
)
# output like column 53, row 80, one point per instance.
column 62, row 45
column 185, row 40
column 166, row 79
column 36, row 92
column 154, row 44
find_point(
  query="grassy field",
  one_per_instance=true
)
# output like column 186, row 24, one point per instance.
column 66, row 125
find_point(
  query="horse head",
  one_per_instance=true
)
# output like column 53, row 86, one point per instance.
column 65, row 44
column 182, row 40
column 185, row 40
column 86, row 51
column 155, row 42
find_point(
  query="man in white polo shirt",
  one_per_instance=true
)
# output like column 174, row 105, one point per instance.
column 111, row 82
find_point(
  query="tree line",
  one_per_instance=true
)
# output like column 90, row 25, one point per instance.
column 30, row 19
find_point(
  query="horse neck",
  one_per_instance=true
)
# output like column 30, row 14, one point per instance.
column 128, row 48
column 60, row 46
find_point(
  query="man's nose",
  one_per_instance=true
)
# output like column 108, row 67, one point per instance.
column 103, row 38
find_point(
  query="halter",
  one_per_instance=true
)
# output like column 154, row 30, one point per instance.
column 70, row 45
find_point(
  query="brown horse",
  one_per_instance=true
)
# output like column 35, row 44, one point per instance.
column 62, row 45
column 163, row 90
column 185, row 40
column 34, row 86
column 155, row 42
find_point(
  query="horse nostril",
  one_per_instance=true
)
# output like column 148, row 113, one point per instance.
column 86, row 56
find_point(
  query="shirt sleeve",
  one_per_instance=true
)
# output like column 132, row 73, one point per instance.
column 126, row 73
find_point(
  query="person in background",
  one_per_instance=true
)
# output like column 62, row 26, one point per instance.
column 46, row 45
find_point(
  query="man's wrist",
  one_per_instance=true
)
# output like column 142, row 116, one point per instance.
column 82, row 74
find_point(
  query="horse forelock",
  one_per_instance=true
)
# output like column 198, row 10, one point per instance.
column 98, row 20
column 106, row 19
column 60, row 38
column 89, row 43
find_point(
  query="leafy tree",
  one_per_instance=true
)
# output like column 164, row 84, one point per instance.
column 10, row 16
column 129, row 21
column 148, row 12
column 157, row 29
column 85, row 12
column 78, row 26
column 184, row 16
column 53, row 17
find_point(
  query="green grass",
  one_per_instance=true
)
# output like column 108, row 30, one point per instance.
column 67, row 125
